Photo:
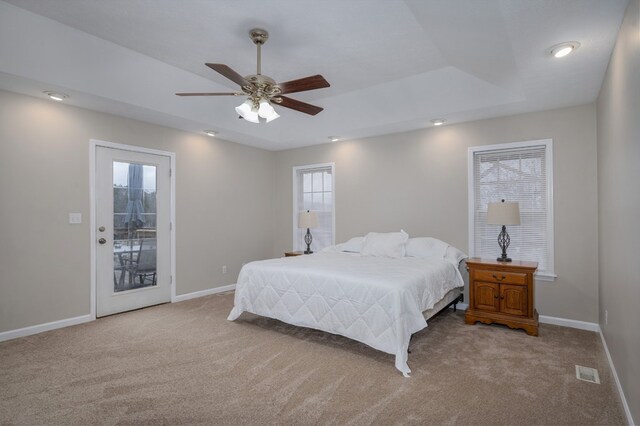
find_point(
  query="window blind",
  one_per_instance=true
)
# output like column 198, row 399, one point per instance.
column 315, row 192
column 518, row 174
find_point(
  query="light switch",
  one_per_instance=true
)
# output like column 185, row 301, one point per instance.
column 75, row 218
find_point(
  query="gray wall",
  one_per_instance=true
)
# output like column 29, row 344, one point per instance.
column 223, row 206
column 418, row 181
column 619, row 205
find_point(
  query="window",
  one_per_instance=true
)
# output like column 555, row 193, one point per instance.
column 522, row 172
column 313, row 189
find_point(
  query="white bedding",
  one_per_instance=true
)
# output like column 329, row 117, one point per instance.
column 374, row 300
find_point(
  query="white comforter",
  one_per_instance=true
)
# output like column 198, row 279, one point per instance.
column 374, row 300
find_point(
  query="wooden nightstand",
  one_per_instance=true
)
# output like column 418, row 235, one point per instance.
column 503, row 293
column 292, row 253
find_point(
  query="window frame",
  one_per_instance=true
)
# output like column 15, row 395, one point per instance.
column 295, row 211
column 550, row 274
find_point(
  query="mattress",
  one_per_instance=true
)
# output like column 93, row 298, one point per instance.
column 374, row 300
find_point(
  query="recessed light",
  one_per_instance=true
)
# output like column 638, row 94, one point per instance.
column 563, row 49
column 334, row 138
column 211, row 133
column 438, row 121
column 56, row 96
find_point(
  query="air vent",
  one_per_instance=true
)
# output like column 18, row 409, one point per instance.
column 587, row 374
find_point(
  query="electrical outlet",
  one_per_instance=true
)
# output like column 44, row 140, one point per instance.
column 75, row 218
column 224, row 269
column 606, row 317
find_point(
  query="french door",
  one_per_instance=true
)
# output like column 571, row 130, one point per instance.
column 133, row 213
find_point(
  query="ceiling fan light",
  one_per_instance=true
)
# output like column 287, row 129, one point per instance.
column 273, row 117
column 267, row 112
column 252, row 117
column 246, row 111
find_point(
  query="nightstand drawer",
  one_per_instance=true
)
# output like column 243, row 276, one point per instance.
column 500, row 277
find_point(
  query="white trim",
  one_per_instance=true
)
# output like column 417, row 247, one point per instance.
column 93, row 144
column 564, row 322
column 40, row 328
column 295, row 198
column 461, row 306
column 548, row 144
column 545, row 277
column 172, row 229
column 201, row 293
column 92, row 227
column 625, row 405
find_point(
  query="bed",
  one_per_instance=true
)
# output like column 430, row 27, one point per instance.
column 379, row 301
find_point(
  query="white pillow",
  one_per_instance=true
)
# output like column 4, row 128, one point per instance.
column 388, row 244
column 333, row 249
column 354, row 245
column 426, row 247
column 454, row 255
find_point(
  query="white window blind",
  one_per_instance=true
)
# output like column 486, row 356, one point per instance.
column 314, row 190
column 519, row 172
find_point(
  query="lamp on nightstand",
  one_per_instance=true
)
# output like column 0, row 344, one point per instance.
column 308, row 220
column 503, row 213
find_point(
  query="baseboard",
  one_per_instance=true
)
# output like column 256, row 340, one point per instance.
column 590, row 326
column 461, row 306
column 582, row 325
column 564, row 322
column 627, row 411
column 40, row 328
column 201, row 293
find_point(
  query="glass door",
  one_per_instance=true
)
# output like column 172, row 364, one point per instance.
column 132, row 214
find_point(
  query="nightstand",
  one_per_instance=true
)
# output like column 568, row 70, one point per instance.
column 503, row 293
column 292, row 253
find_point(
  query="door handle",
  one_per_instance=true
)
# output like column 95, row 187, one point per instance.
column 499, row 279
column 102, row 241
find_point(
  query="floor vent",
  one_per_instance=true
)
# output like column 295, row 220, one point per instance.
column 587, row 374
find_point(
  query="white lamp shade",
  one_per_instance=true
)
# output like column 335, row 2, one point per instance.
column 503, row 213
column 247, row 112
column 267, row 112
column 308, row 219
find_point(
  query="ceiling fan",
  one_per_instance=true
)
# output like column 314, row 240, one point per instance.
column 261, row 90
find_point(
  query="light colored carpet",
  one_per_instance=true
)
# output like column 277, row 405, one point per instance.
column 184, row 363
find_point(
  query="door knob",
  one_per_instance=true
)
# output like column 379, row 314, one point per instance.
column 102, row 241
column 101, row 229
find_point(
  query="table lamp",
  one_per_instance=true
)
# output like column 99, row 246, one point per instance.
column 503, row 213
column 308, row 220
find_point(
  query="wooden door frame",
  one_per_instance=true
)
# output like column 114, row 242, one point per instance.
column 93, row 145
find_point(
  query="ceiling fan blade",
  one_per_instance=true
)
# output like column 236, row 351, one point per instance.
column 303, row 84
column 208, row 94
column 299, row 106
column 229, row 73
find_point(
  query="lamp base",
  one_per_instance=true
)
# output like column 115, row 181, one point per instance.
column 503, row 242
column 307, row 239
